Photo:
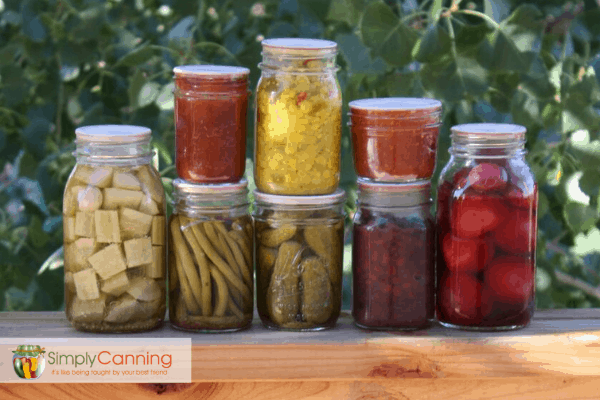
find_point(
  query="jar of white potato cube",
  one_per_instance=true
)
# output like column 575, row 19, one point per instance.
column 114, row 232
column 210, row 257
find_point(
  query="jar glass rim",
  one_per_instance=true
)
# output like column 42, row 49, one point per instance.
column 299, row 44
column 113, row 133
column 489, row 129
column 337, row 197
column 408, row 187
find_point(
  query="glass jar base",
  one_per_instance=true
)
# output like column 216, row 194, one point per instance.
column 483, row 328
column 427, row 325
column 211, row 330
column 130, row 327
column 317, row 328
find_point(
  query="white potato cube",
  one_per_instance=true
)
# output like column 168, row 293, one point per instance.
column 116, row 285
column 115, row 198
column 88, row 310
column 134, row 224
column 144, row 289
column 151, row 183
column 125, row 180
column 89, row 198
column 86, row 284
column 108, row 261
column 69, row 229
column 96, row 176
column 149, row 206
column 123, row 310
column 158, row 230
column 84, row 224
column 107, row 226
column 138, row 251
column 78, row 252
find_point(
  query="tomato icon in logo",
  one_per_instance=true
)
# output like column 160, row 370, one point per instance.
column 29, row 361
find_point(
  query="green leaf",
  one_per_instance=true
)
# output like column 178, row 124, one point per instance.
column 347, row 11
column 386, row 35
column 496, row 9
column 588, row 153
column 37, row 235
column 137, row 56
column 436, row 7
column 357, row 55
column 590, row 183
column 580, row 217
column 500, row 53
column 452, row 79
column 166, row 98
column 148, row 94
column 543, row 280
column 434, row 44
column 468, row 36
column 136, row 82
column 543, row 205
column 318, row 8
column 587, row 243
column 525, row 110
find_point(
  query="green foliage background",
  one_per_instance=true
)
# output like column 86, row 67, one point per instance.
column 68, row 63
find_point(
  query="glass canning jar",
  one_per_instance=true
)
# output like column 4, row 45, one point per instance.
column 299, row 248
column 211, row 282
column 211, row 104
column 298, row 118
column 395, row 139
column 114, row 232
column 486, row 230
column 393, row 255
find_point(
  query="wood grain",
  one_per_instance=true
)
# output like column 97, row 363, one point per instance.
column 557, row 356
column 532, row 388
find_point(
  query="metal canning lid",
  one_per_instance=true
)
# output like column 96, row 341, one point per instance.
column 396, row 104
column 299, row 44
column 185, row 187
column 113, row 133
column 489, row 131
column 211, row 70
column 338, row 196
column 411, row 187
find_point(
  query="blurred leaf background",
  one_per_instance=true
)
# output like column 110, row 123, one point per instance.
column 68, row 63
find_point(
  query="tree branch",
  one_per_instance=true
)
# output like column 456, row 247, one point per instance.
column 585, row 287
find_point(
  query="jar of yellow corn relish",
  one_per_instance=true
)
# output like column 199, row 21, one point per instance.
column 298, row 118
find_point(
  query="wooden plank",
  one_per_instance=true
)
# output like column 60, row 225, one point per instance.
column 550, row 347
column 523, row 388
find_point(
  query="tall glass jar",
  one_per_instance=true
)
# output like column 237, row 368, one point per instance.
column 393, row 255
column 114, row 232
column 486, row 241
column 299, row 248
column 298, row 118
column 211, row 240
column 211, row 103
column 395, row 139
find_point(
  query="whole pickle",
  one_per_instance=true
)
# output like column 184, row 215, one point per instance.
column 317, row 296
column 283, row 294
column 274, row 237
column 325, row 242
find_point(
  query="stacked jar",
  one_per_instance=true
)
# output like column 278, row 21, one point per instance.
column 299, row 214
column 395, row 143
column 211, row 237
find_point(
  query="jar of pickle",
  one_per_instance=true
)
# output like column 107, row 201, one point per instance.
column 486, row 230
column 211, row 283
column 299, row 248
column 393, row 255
column 298, row 118
column 211, row 104
column 114, row 232
column 395, row 139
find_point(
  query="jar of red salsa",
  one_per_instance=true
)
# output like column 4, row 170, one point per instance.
column 486, row 230
column 211, row 104
column 395, row 139
column 393, row 257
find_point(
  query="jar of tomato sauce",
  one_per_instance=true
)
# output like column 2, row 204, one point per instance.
column 393, row 254
column 298, row 118
column 486, row 230
column 395, row 139
column 211, row 104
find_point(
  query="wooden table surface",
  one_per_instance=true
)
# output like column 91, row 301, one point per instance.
column 556, row 357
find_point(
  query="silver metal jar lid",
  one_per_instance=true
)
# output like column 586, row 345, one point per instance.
column 211, row 70
column 113, row 133
column 396, row 104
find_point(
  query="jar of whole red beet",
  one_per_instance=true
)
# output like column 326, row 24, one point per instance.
column 395, row 139
column 486, row 230
column 393, row 256
column 211, row 104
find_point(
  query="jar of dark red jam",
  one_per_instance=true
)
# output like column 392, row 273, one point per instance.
column 395, row 139
column 393, row 257
column 211, row 104
column 486, row 230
